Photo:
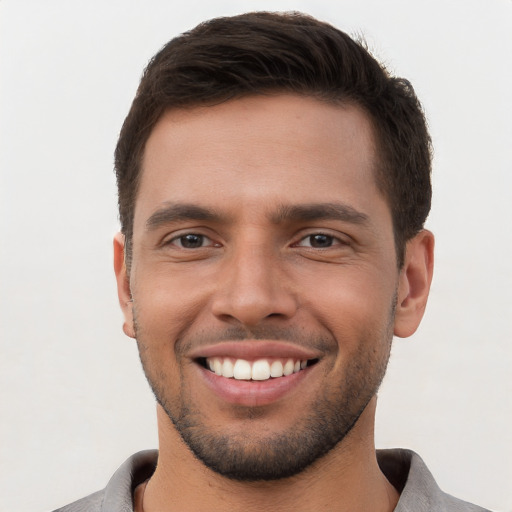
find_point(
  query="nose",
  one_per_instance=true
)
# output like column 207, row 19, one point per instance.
column 253, row 287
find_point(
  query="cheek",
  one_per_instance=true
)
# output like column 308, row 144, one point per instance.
column 356, row 309
column 349, row 293
column 168, row 303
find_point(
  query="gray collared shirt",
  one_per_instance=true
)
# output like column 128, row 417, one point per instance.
column 403, row 468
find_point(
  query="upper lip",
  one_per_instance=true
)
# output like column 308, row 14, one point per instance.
column 255, row 349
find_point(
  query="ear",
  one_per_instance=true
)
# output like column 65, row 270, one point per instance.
column 414, row 283
column 123, row 285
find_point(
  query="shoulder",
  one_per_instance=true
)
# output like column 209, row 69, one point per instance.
column 419, row 491
column 118, row 494
column 91, row 503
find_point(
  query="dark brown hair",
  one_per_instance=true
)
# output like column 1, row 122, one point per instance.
column 260, row 53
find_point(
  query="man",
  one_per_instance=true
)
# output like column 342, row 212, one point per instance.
column 273, row 185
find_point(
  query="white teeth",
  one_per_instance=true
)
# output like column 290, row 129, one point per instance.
column 217, row 366
column 276, row 369
column 261, row 369
column 288, row 367
column 227, row 368
column 242, row 370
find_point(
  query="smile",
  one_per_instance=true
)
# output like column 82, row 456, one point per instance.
column 258, row 370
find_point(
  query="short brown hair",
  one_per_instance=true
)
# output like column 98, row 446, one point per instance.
column 261, row 52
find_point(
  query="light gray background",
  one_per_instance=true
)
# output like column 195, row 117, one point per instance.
column 74, row 402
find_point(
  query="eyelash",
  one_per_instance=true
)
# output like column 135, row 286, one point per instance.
column 183, row 236
column 332, row 240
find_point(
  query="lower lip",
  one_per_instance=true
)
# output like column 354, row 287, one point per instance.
column 252, row 393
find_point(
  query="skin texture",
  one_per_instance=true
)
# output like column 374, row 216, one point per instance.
column 259, row 231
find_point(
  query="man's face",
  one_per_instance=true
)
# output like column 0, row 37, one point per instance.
column 262, row 243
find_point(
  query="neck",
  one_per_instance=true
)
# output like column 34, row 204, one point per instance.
column 348, row 476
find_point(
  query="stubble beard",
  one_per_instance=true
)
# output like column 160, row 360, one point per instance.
column 274, row 456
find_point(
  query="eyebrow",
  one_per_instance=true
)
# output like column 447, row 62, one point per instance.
column 175, row 212
column 319, row 211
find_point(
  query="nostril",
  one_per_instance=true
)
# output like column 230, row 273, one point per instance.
column 276, row 315
column 250, row 300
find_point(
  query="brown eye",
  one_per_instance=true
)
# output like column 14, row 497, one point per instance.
column 191, row 241
column 320, row 241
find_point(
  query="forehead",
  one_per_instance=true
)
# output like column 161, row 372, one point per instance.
column 259, row 151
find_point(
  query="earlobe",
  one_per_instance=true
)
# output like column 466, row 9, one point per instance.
column 123, row 285
column 414, row 283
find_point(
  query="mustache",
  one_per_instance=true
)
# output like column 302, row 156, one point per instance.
column 296, row 335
